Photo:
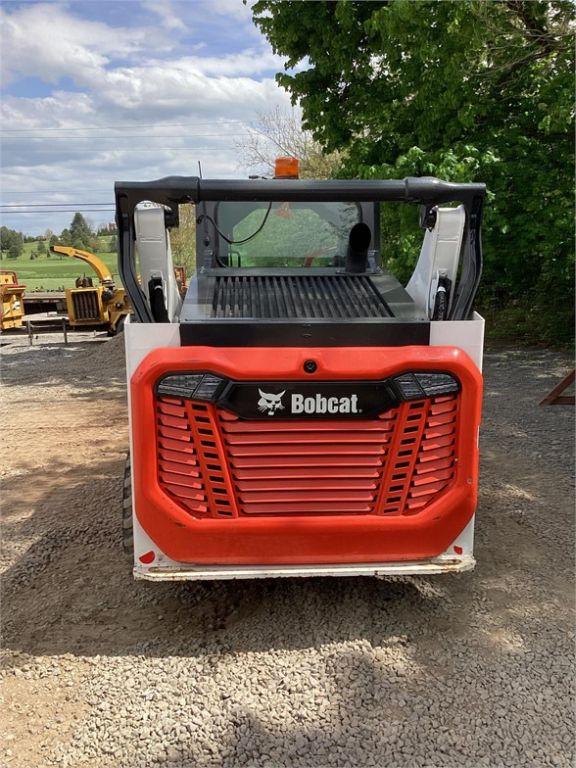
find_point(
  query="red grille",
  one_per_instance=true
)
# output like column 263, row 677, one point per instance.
column 310, row 467
column 217, row 465
column 191, row 464
column 422, row 461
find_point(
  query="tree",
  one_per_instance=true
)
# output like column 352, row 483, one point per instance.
column 468, row 91
column 4, row 240
column 81, row 235
column 15, row 248
column 11, row 242
column 53, row 240
column 41, row 247
column 99, row 244
column 65, row 237
column 280, row 133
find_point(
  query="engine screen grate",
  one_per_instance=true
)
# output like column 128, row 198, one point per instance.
column 86, row 305
column 297, row 296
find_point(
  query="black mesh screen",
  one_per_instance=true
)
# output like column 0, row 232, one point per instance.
column 298, row 296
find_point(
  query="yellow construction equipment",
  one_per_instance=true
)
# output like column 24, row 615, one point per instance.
column 89, row 305
column 11, row 300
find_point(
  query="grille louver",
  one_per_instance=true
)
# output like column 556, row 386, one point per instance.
column 422, row 455
column 217, row 465
column 191, row 464
column 310, row 467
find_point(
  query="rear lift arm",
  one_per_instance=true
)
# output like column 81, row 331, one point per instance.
column 175, row 190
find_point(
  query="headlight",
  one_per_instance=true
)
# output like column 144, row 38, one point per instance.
column 199, row 386
column 416, row 386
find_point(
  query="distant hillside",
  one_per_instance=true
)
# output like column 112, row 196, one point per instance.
column 53, row 272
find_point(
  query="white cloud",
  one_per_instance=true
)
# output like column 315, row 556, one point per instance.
column 61, row 109
column 178, row 88
column 143, row 117
column 250, row 61
column 46, row 41
column 155, row 92
column 166, row 12
column 232, row 8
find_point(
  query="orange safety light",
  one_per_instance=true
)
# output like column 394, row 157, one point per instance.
column 286, row 168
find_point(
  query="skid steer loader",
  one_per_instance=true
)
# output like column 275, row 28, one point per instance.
column 301, row 412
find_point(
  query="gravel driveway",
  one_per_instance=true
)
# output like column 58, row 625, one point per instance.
column 470, row 670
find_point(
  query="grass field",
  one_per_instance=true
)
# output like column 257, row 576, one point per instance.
column 54, row 272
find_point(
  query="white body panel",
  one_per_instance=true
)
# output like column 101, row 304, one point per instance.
column 439, row 257
column 464, row 334
column 155, row 256
column 142, row 338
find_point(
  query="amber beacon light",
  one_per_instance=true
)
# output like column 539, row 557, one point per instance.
column 286, row 168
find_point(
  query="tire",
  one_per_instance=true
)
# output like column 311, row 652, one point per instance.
column 127, row 524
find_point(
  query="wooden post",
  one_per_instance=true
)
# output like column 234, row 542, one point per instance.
column 65, row 330
column 30, row 338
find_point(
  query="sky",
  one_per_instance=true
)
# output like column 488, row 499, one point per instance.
column 96, row 92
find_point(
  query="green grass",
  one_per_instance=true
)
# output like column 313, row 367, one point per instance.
column 55, row 272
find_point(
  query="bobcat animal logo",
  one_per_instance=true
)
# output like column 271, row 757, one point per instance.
column 270, row 403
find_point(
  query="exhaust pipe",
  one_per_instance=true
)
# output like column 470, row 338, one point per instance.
column 358, row 244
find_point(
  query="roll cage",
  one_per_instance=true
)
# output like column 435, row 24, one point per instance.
column 170, row 192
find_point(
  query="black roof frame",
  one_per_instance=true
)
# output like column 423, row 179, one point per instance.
column 175, row 190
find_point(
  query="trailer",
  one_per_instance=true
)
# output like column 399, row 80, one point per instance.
column 301, row 412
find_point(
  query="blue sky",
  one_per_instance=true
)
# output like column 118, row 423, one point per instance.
column 94, row 92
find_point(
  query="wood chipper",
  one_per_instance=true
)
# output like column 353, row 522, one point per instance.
column 11, row 300
column 301, row 412
column 93, row 305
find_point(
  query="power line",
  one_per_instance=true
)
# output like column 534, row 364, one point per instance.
column 49, row 205
column 60, row 210
column 213, row 148
column 211, row 123
column 123, row 136
column 60, row 191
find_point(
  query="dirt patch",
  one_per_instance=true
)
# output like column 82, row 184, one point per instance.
column 100, row 670
column 38, row 712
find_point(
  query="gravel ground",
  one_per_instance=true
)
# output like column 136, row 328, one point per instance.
column 470, row 670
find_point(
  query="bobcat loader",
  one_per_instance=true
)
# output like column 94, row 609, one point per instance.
column 301, row 412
